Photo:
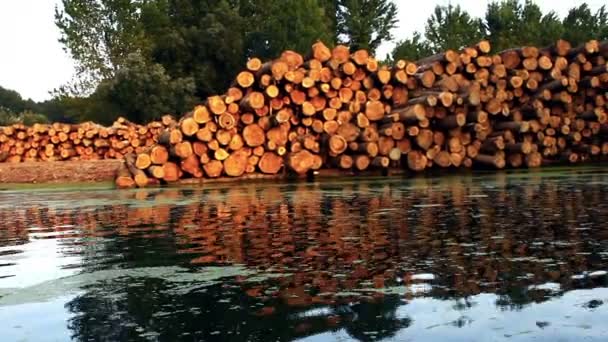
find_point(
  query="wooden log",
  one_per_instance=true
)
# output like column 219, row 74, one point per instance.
column 424, row 139
column 156, row 171
column 410, row 114
column 252, row 101
column 254, row 64
column 216, row 105
column 254, row 135
column 236, row 163
column 170, row 137
column 374, row 110
column 348, row 131
column 416, row 161
column 270, row 163
column 361, row 162
column 213, row 168
column 447, row 56
column 497, row 161
column 381, row 162
column 124, row 180
column 442, row 159
column 453, row 121
column 245, row 79
column 301, row 162
column 395, row 154
column 321, row 52
column 181, row 150
column 189, row 126
column 143, row 161
column 337, row 144
column 191, row 165
column 201, row 115
column 221, row 154
column 139, row 176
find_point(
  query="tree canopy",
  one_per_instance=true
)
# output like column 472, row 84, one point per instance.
column 365, row 24
column 451, row 27
column 506, row 24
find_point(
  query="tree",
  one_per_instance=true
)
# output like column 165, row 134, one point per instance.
column 198, row 39
column 581, row 25
column 177, row 43
column 7, row 117
column 11, row 101
column 145, row 91
column 274, row 26
column 508, row 24
column 451, row 27
column 29, row 118
column 14, row 109
column 365, row 24
column 412, row 49
column 204, row 42
column 99, row 34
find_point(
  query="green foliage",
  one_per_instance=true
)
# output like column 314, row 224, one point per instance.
column 29, row 118
column 365, row 24
column 450, row 27
column 143, row 58
column 275, row 26
column 581, row 24
column 11, row 101
column 7, row 117
column 185, row 50
column 507, row 24
column 99, row 34
column 412, row 49
column 201, row 40
column 146, row 91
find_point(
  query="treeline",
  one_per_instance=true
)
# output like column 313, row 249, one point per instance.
column 15, row 109
column 506, row 24
column 142, row 59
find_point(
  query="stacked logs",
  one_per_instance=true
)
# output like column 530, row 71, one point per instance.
column 338, row 109
column 85, row 141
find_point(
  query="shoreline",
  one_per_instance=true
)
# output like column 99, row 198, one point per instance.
column 35, row 175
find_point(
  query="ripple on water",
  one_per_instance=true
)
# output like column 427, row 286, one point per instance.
column 499, row 256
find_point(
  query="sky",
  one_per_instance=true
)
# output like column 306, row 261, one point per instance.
column 33, row 62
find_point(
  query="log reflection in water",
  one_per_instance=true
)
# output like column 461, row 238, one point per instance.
column 330, row 245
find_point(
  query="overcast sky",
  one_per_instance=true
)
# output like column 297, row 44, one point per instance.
column 33, row 63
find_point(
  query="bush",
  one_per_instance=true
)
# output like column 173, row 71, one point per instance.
column 7, row 118
column 27, row 118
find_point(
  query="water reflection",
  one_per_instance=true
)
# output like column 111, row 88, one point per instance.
column 356, row 259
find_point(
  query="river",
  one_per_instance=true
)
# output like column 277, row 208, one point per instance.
column 486, row 257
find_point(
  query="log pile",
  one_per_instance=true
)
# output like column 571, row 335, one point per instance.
column 85, row 141
column 338, row 109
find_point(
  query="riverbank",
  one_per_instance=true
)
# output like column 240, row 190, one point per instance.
column 78, row 171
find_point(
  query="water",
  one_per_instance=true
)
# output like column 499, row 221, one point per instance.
column 500, row 257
